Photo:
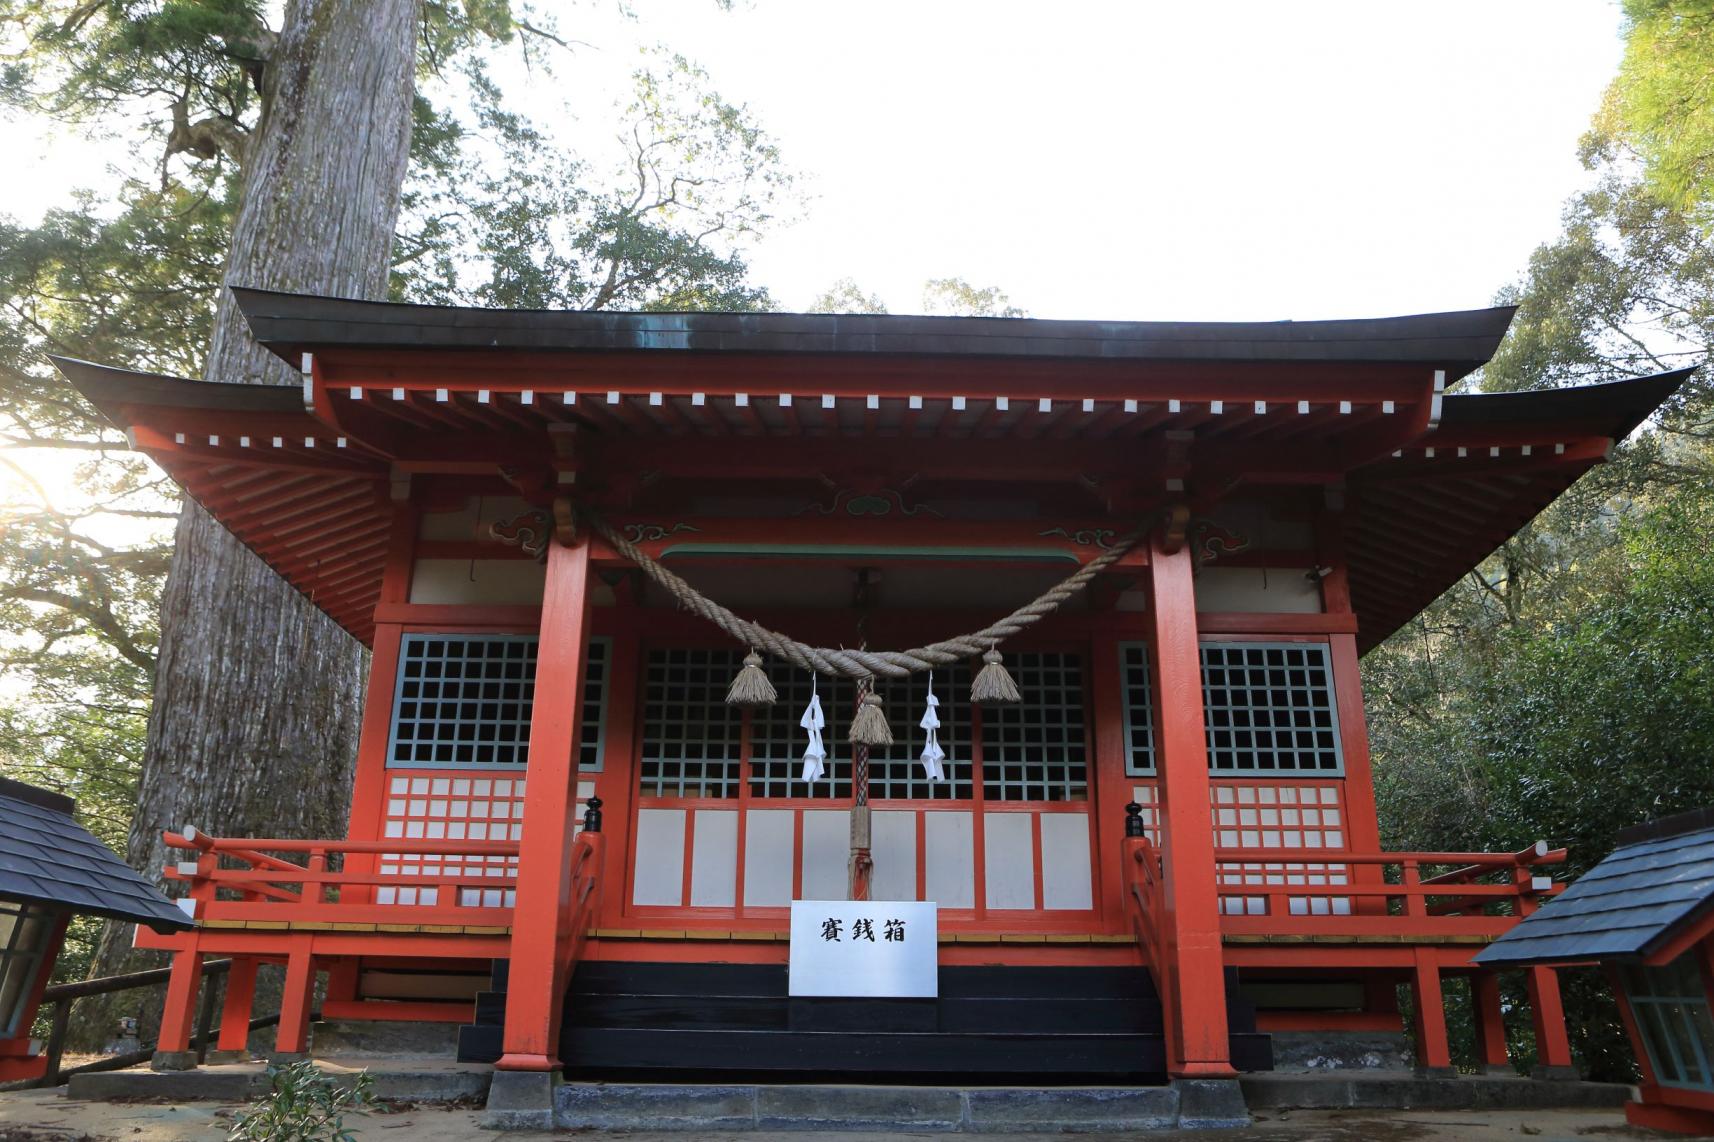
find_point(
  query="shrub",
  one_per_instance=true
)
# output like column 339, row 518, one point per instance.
column 305, row 1105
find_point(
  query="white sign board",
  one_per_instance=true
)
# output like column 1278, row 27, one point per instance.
column 865, row 948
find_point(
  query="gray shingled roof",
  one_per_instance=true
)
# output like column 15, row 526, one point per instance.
column 1626, row 907
column 46, row 857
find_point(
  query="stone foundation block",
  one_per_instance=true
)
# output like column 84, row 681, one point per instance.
column 173, row 1061
column 858, row 1108
column 521, row 1100
column 1008, row 1109
column 651, row 1106
column 1210, row 1104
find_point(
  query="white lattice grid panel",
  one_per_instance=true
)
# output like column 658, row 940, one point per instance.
column 1036, row 749
column 438, row 806
column 692, row 740
column 1269, row 709
column 1147, row 798
column 446, row 807
column 1297, row 816
column 1287, row 816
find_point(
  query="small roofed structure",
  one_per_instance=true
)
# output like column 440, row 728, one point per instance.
column 52, row 868
column 1646, row 914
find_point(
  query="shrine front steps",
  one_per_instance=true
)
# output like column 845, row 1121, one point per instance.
column 735, row 1023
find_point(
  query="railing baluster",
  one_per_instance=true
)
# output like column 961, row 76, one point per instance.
column 317, row 864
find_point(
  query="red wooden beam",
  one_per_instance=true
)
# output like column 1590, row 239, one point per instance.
column 858, row 376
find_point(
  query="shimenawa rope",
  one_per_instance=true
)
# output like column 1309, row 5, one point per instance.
column 862, row 664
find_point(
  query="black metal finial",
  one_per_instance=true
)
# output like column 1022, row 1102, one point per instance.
column 592, row 815
column 1134, row 820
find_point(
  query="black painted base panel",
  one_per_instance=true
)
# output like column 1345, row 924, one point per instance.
column 719, row 1022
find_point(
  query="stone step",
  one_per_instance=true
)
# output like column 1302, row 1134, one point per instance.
column 986, row 1109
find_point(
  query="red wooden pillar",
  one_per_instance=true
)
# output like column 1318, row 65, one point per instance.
column 1490, row 1021
column 1432, row 1050
column 1552, row 1047
column 535, row 984
column 292, row 1037
column 236, row 1007
column 1192, row 916
column 1112, row 787
column 172, row 1049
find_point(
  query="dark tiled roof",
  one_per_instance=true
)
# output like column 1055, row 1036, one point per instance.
column 292, row 323
column 46, row 857
column 1626, row 907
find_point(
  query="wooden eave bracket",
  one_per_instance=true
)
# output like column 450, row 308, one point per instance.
column 1174, row 526
column 565, row 528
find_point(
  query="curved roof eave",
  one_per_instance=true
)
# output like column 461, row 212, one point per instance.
column 289, row 324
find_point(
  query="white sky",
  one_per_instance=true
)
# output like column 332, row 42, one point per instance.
column 1206, row 161
column 1176, row 161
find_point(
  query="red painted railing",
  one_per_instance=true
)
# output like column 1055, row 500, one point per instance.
column 1145, row 904
column 1330, row 893
column 579, row 910
column 399, row 894
column 244, row 880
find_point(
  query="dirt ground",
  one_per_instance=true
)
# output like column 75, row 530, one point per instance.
column 44, row 1116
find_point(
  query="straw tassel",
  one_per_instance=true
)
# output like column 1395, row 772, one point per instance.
column 751, row 688
column 992, row 683
column 869, row 727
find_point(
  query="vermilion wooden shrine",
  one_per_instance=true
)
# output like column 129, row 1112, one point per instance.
column 1178, row 817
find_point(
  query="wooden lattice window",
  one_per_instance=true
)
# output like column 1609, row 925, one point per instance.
column 1270, row 708
column 464, row 701
column 592, row 730
column 1037, row 749
column 692, row 740
column 1671, row 1007
column 1138, row 685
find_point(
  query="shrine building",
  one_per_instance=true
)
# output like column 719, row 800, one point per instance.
column 1154, row 551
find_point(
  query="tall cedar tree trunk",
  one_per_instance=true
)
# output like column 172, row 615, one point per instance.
column 257, row 693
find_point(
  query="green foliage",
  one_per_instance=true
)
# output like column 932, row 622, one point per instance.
column 1562, row 689
column 127, row 272
column 1627, row 289
column 958, row 298
column 846, row 296
column 1586, row 712
column 1658, row 107
column 951, row 297
column 515, row 221
column 83, row 522
column 304, row 1105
